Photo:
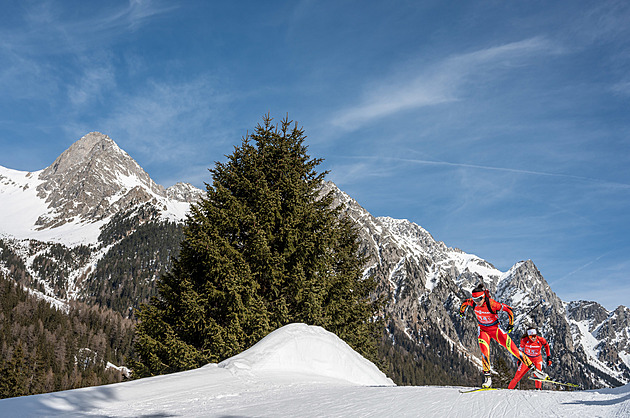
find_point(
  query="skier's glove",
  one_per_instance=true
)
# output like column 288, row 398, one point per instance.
column 462, row 310
column 549, row 362
column 510, row 328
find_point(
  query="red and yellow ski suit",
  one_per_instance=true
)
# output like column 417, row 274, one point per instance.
column 489, row 329
column 532, row 347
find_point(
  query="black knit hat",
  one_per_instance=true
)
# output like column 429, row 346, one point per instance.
column 480, row 288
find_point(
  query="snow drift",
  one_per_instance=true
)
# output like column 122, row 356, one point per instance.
column 309, row 350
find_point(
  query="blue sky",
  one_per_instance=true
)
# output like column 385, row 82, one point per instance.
column 500, row 127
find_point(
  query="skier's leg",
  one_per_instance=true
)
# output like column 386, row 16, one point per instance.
column 520, row 372
column 504, row 339
column 538, row 364
column 484, row 345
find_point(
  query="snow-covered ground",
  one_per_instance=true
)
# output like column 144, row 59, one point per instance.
column 305, row 371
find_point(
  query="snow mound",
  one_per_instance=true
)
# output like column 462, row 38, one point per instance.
column 307, row 349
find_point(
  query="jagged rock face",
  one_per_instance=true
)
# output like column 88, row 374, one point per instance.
column 608, row 334
column 94, row 179
column 534, row 303
column 587, row 311
column 91, row 180
column 424, row 282
column 106, row 201
column 422, row 279
column 184, row 192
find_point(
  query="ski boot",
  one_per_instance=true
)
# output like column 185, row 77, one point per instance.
column 487, row 381
column 539, row 374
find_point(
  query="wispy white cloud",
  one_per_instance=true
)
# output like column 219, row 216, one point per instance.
column 47, row 30
column 97, row 77
column 437, row 83
column 602, row 279
column 344, row 173
column 622, row 88
column 577, row 270
column 494, row 168
column 603, row 22
column 163, row 120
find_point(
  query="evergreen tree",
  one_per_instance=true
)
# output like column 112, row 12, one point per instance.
column 13, row 376
column 44, row 348
column 261, row 250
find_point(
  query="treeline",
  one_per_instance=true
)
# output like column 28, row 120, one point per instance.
column 44, row 349
column 126, row 275
column 57, row 263
column 431, row 361
column 15, row 267
column 54, row 262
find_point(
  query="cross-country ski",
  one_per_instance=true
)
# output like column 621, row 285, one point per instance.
column 555, row 382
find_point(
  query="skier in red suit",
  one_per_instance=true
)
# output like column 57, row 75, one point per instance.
column 532, row 345
column 486, row 310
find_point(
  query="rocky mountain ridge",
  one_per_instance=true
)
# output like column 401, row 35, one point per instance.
column 95, row 179
column 134, row 226
column 425, row 282
column 60, row 223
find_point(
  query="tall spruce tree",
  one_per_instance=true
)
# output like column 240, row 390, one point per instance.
column 263, row 249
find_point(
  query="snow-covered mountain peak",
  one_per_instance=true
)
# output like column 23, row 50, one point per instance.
column 409, row 230
column 81, row 190
column 523, row 285
column 183, row 192
column 88, row 177
column 81, row 153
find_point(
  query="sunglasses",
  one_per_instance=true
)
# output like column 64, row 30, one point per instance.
column 478, row 299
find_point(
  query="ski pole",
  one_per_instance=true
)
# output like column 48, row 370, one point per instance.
column 528, row 312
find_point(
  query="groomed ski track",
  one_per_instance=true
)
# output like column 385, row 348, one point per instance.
column 215, row 392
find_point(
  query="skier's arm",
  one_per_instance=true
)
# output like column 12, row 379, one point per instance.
column 521, row 345
column 465, row 304
column 547, row 351
column 505, row 308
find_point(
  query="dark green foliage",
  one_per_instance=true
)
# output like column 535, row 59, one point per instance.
column 504, row 369
column 429, row 361
column 261, row 250
column 12, row 374
column 123, row 224
column 44, row 349
column 15, row 267
column 59, row 261
column 125, row 276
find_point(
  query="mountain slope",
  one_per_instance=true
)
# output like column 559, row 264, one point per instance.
column 69, row 201
column 425, row 282
column 60, row 223
column 94, row 227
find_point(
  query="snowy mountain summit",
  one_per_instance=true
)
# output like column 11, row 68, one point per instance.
column 91, row 180
column 94, row 179
column 86, row 185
